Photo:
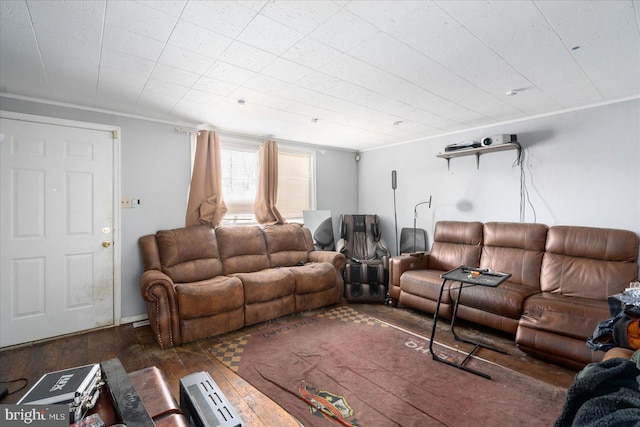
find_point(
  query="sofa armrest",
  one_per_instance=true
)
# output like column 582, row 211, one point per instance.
column 162, row 306
column 402, row 263
column 398, row 265
column 337, row 259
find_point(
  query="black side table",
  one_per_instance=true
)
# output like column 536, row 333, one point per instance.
column 467, row 277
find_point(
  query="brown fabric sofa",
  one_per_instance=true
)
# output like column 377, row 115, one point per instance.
column 557, row 295
column 200, row 282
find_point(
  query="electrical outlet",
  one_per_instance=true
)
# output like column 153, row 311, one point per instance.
column 125, row 202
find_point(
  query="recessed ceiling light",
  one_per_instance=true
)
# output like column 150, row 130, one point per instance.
column 398, row 122
column 240, row 101
column 575, row 48
column 314, row 120
column 512, row 93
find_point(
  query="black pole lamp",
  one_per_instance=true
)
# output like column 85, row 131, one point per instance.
column 415, row 217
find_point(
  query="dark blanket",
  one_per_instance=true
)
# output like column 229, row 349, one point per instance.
column 604, row 394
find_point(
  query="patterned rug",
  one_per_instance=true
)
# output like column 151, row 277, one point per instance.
column 343, row 367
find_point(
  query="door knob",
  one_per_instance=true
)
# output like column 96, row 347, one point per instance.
column 106, row 243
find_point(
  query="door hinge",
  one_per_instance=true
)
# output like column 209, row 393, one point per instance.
column 115, row 134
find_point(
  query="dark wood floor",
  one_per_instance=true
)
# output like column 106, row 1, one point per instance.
column 136, row 349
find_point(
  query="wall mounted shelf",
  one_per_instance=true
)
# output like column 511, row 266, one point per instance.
column 479, row 151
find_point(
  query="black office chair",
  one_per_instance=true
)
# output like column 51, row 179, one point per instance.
column 323, row 236
column 413, row 240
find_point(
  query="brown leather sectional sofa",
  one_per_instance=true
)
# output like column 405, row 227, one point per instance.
column 200, row 282
column 556, row 296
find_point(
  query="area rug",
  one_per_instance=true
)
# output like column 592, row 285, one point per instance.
column 341, row 367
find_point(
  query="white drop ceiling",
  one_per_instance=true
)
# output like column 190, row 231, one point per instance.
column 358, row 67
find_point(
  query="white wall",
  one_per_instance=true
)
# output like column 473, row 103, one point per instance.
column 337, row 181
column 581, row 168
column 155, row 168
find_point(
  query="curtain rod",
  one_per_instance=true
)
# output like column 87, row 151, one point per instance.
column 188, row 131
column 259, row 139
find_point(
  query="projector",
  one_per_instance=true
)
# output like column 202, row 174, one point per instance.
column 499, row 139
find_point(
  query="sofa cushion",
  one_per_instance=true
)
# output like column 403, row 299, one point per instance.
column 420, row 288
column 286, row 245
column 571, row 317
column 455, row 243
column 314, row 277
column 242, row 249
column 267, row 285
column 189, row 254
column 425, row 284
column 515, row 248
column 589, row 262
column 505, row 300
column 268, row 294
column 209, row 297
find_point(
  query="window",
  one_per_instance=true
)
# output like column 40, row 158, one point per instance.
column 294, row 184
column 240, row 171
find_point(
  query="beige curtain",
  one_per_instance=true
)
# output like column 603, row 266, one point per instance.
column 264, row 207
column 206, row 205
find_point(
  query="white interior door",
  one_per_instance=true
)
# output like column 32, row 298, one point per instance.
column 56, row 263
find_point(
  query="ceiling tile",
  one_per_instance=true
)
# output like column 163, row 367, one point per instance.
column 311, row 53
column 247, row 57
column 388, row 15
column 269, row 85
column 215, row 86
column 198, row 39
column 170, row 7
column 118, row 98
column 268, row 35
column 126, row 62
column 200, row 97
column 224, row 17
column 68, row 47
column 17, row 43
column 382, row 49
column 344, row 31
column 185, row 60
column 533, row 102
column 165, row 88
column 571, row 96
column 25, row 76
column 14, row 11
column 229, row 73
column 174, row 75
column 83, row 19
column 114, row 78
column 140, row 19
column 286, row 70
column 159, row 102
column 347, row 67
column 128, row 42
column 250, row 96
column 299, row 15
